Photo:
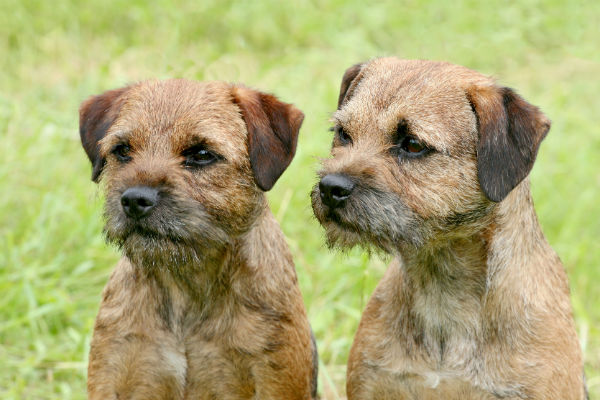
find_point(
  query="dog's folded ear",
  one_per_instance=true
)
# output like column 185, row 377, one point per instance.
column 273, row 128
column 349, row 81
column 510, row 133
column 96, row 115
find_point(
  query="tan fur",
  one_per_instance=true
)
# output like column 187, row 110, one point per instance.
column 205, row 302
column 475, row 304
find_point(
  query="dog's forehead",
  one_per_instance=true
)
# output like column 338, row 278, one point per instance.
column 430, row 96
column 182, row 113
column 418, row 78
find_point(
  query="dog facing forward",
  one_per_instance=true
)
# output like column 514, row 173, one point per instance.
column 205, row 302
column 430, row 163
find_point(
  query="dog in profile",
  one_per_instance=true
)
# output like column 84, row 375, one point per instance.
column 429, row 164
column 204, row 303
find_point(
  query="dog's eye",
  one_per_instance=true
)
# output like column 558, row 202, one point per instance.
column 198, row 156
column 342, row 136
column 413, row 146
column 408, row 145
column 121, row 151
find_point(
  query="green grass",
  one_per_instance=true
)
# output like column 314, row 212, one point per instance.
column 53, row 261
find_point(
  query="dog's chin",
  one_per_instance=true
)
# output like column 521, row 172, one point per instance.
column 149, row 248
column 344, row 235
column 340, row 236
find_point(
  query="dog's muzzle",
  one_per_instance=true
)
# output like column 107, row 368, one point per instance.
column 335, row 189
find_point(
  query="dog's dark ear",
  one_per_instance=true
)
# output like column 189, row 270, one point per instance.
column 96, row 115
column 273, row 128
column 510, row 133
column 349, row 81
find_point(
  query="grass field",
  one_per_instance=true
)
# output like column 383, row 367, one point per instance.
column 53, row 260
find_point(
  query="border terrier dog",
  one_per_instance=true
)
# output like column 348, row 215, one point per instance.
column 205, row 302
column 429, row 164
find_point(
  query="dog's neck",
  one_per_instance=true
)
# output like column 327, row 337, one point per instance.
column 456, row 283
column 236, row 266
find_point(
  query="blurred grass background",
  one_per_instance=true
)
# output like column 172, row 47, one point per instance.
column 53, row 261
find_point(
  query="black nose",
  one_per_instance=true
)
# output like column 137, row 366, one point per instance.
column 138, row 201
column 335, row 189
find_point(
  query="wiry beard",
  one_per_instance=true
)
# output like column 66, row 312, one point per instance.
column 153, row 251
column 177, row 235
column 371, row 219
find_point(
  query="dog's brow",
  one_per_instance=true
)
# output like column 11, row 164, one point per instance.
column 121, row 135
column 339, row 118
column 197, row 139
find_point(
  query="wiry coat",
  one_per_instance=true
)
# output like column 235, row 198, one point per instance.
column 475, row 304
column 205, row 303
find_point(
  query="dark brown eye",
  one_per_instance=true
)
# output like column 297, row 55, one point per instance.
column 199, row 156
column 412, row 145
column 121, row 151
column 342, row 136
column 407, row 145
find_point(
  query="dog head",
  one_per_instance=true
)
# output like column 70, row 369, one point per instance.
column 184, row 163
column 421, row 150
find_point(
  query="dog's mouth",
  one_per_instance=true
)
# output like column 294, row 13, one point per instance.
column 146, row 246
column 333, row 216
column 138, row 231
column 340, row 231
column 147, row 232
column 344, row 234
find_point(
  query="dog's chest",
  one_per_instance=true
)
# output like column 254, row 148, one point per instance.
column 439, row 373
column 203, row 354
column 429, row 354
column 215, row 371
column 215, row 358
column 454, row 370
column 199, row 362
column 424, row 386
